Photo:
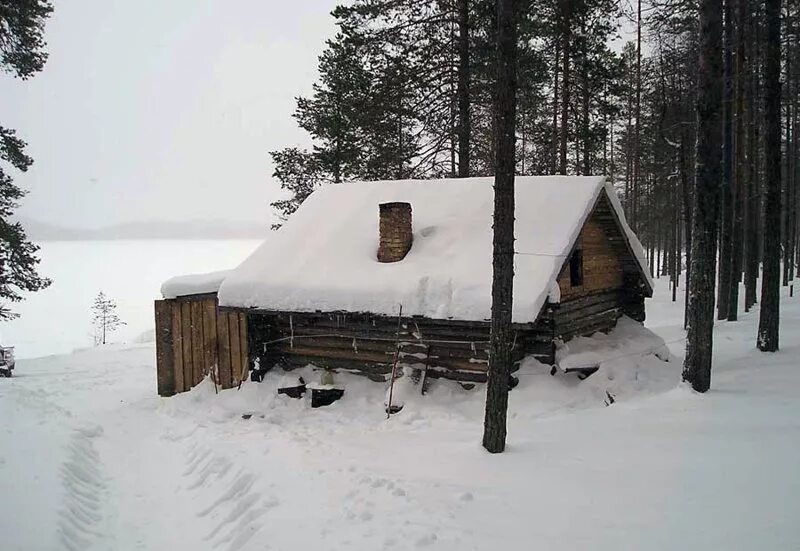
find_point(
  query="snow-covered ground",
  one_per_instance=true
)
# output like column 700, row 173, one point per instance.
column 91, row 458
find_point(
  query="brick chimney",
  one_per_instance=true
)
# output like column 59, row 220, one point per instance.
column 395, row 231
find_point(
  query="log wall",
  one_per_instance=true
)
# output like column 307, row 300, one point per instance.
column 587, row 314
column 193, row 339
column 366, row 343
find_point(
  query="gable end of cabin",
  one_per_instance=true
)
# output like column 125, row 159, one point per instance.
column 600, row 280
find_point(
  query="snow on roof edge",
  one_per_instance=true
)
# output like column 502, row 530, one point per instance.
column 193, row 284
column 633, row 240
column 246, row 288
column 553, row 291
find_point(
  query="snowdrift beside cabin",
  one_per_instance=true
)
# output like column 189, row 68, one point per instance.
column 630, row 360
column 324, row 257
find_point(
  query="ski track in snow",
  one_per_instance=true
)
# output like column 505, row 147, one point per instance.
column 235, row 509
column 82, row 479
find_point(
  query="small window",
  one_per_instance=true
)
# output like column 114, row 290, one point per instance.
column 576, row 268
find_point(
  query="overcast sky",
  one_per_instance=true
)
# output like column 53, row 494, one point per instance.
column 163, row 109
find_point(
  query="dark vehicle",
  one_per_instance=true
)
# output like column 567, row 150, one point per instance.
column 6, row 361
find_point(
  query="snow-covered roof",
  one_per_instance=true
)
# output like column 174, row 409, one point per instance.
column 193, row 284
column 324, row 257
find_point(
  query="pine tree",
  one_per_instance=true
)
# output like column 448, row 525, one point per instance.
column 565, row 25
column 741, row 182
column 726, row 200
column 299, row 174
column 330, row 115
column 768, row 322
column 105, row 317
column 387, row 119
column 424, row 44
column 464, row 127
column 494, row 428
column 419, row 79
column 637, row 140
column 22, row 36
column 22, row 55
column 752, row 203
column 700, row 312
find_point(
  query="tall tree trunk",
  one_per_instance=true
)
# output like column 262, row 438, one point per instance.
column 794, row 147
column 686, row 197
column 787, row 179
column 556, row 140
column 769, row 314
column 566, row 37
column 741, row 180
column 789, row 203
column 494, row 428
column 637, row 164
column 523, row 145
column 612, row 167
column 753, row 202
column 337, row 163
column 400, row 173
column 628, row 157
column 453, row 119
column 585, row 138
column 675, row 238
column 464, row 126
column 700, row 313
column 726, row 222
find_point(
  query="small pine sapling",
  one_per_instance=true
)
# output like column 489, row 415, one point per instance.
column 105, row 318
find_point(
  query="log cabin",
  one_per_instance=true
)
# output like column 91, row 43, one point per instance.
column 364, row 269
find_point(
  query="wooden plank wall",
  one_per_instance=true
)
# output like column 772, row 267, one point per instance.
column 366, row 343
column 194, row 338
column 608, row 262
column 164, row 355
column 602, row 266
column 587, row 314
column 612, row 282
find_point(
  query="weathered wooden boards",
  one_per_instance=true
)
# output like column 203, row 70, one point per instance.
column 194, row 338
column 608, row 261
column 598, row 311
column 165, row 360
column 602, row 267
column 612, row 281
column 237, row 346
column 366, row 343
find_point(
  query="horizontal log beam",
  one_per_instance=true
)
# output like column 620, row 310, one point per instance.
column 612, row 313
column 585, row 313
column 587, row 300
column 588, row 326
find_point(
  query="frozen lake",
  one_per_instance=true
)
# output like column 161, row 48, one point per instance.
column 59, row 319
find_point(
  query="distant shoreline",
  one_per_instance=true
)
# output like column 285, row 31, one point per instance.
column 149, row 230
column 152, row 238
